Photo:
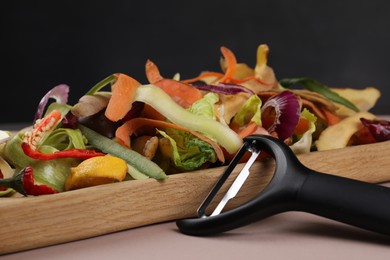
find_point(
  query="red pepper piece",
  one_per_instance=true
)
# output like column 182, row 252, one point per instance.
column 2, row 177
column 34, row 189
column 42, row 127
column 72, row 153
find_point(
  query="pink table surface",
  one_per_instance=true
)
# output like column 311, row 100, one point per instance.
column 290, row 235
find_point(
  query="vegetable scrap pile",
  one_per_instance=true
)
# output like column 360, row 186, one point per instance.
column 122, row 129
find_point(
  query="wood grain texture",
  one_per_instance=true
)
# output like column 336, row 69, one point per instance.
column 34, row 222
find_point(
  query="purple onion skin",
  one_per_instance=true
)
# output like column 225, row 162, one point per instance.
column 379, row 129
column 69, row 121
column 135, row 111
column 287, row 110
column 223, row 88
column 59, row 93
column 100, row 124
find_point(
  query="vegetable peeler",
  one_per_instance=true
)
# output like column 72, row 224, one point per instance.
column 293, row 187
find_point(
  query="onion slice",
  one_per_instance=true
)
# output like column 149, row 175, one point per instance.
column 223, row 88
column 285, row 106
column 380, row 129
column 59, row 93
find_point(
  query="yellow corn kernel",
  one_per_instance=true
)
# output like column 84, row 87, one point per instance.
column 96, row 171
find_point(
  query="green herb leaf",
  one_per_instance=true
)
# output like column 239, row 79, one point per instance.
column 315, row 86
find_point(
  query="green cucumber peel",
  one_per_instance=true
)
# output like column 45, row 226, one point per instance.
column 136, row 160
column 164, row 104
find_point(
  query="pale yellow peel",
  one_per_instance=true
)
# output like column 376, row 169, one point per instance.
column 90, row 104
column 262, row 71
column 363, row 99
column 338, row 135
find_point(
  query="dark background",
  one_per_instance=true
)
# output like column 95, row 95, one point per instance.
column 45, row 43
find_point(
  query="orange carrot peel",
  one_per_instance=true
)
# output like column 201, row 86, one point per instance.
column 183, row 94
column 123, row 93
column 231, row 63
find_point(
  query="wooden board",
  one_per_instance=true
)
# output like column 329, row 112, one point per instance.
column 34, row 222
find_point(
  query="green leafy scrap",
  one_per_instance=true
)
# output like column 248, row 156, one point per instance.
column 316, row 86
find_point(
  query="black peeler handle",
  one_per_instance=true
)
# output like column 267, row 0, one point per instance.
column 349, row 201
column 294, row 187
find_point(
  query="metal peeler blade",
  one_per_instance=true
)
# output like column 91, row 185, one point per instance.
column 236, row 186
column 238, row 182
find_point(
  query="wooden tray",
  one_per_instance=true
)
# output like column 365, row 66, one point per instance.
column 34, row 222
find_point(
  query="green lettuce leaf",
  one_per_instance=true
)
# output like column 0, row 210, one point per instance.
column 305, row 141
column 189, row 152
column 205, row 106
column 250, row 112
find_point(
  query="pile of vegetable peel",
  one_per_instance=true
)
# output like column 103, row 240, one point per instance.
column 125, row 130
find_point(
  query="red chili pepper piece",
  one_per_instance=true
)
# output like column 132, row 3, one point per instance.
column 34, row 189
column 72, row 153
